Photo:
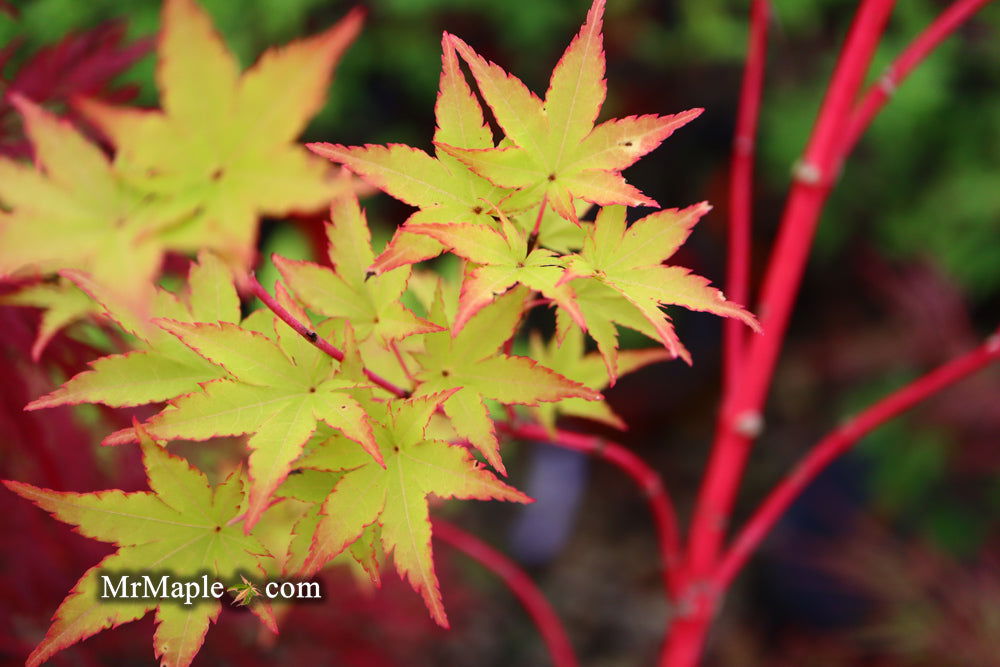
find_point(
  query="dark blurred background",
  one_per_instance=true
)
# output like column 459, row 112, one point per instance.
column 891, row 557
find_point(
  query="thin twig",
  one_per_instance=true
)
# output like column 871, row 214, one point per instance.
column 314, row 338
column 533, row 239
column 840, row 441
column 402, row 362
column 519, row 583
column 647, row 479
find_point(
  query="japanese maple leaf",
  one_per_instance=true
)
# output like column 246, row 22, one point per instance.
column 440, row 186
column 181, row 526
column 370, row 303
column 557, row 150
column 395, row 497
column 161, row 367
column 568, row 358
column 306, row 491
column 62, row 303
column 73, row 212
column 277, row 390
column 471, row 362
column 504, row 260
column 225, row 140
column 629, row 261
column 84, row 63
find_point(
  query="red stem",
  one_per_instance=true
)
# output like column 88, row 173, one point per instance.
column 314, row 338
column 538, row 218
column 520, row 584
column 740, row 421
column 940, row 29
column 402, row 362
column 741, row 188
column 664, row 516
column 840, row 441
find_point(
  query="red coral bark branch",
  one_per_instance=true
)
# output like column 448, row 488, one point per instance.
column 740, row 420
column 647, row 479
column 839, row 442
column 741, row 189
column 520, row 584
column 915, row 53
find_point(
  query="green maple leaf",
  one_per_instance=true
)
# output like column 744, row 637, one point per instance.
column 504, row 260
column 370, row 303
column 181, row 527
column 629, row 262
column 557, row 153
column 161, row 367
column 277, row 389
column 62, row 303
column 224, row 141
column 568, row 359
column 395, row 497
column 441, row 187
column 287, row 527
column 470, row 362
column 74, row 212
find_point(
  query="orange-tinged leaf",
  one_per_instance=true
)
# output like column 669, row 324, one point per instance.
column 395, row 498
column 277, row 399
column 441, row 187
column 618, row 143
column 605, row 188
column 288, row 85
column 568, row 358
column 509, row 167
column 629, row 262
column 506, row 262
column 197, row 74
column 553, row 148
column 470, row 363
column 181, row 527
column 62, row 304
column 224, row 141
column 459, row 116
column 577, row 88
column 518, row 111
column 160, row 367
column 75, row 213
column 408, row 174
column 348, row 292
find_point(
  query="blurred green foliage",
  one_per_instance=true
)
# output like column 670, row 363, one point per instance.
column 912, row 482
column 923, row 182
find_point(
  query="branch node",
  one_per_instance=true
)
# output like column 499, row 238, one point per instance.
column 749, row 424
column 699, row 596
column 653, row 487
column 887, row 82
column 807, row 173
column 312, row 336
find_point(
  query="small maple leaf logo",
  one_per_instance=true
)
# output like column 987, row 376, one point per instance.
column 244, row 593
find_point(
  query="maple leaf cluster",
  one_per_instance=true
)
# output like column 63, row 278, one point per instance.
column 197, row 173
column 512, row 208
column 367, row 385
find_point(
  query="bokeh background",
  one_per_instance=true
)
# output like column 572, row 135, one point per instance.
column 891, row 557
